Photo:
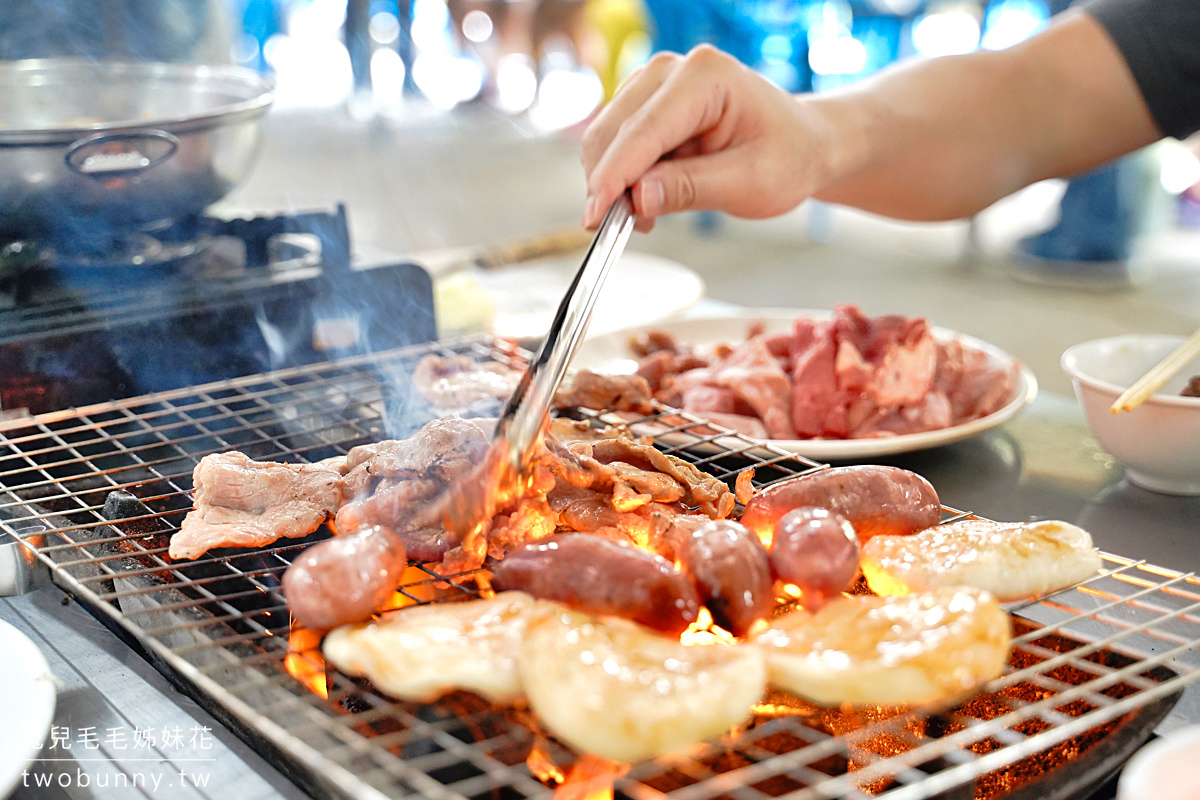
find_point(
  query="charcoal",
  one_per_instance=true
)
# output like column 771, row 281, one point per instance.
column 123, row 505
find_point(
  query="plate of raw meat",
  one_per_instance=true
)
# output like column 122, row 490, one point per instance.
column 828, row 385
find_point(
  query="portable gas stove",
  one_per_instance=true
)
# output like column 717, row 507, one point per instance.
column 94, row 494
column 95, row 318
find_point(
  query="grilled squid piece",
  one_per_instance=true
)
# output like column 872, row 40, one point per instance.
column 1013, row 561
column 600, row 576
column 424, row 652
column 876, row 500
column 344, row 579
column 920, row 648
column 610, row 687
column 730, row 569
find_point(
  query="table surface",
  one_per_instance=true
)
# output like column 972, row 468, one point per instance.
column 1042, row 464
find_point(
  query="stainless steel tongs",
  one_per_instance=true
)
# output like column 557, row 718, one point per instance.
column 528, row 409
column 471, row 502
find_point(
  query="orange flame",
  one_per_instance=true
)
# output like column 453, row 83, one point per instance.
column 591, row 778
column 705, row 631
column 542, row 766
column 304, row 661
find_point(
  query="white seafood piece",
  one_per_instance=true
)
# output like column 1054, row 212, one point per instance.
column 610, row 687
column 920, row 648
column 1013, row 561
column 423, row 652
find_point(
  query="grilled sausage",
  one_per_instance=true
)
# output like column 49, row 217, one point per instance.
column 876, row 500
column 599, row 576
column 344, row 579
column 730, row 569
column 816, row 551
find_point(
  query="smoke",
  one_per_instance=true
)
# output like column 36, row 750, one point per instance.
column 142, row 30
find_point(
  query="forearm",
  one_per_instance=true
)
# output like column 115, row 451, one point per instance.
column 944, row 138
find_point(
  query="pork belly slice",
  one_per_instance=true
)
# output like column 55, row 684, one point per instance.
column 396, row 483
column 1013, row 561
column 607, row 393
column 442, row 450
column 459, row 382
column 240, row 502
column 710, row 493
column 920, row 648
column 424, row 652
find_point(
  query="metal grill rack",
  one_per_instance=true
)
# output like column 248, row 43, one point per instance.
column 96, row 492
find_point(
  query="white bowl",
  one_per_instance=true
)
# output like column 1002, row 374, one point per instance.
column 1158, row 443
column 1165, row 769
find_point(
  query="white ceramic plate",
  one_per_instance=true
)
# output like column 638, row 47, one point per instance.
column 26, row 706
column 641, row 289
column 610, row 354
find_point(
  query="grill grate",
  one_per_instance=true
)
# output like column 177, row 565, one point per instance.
column 1094, row 668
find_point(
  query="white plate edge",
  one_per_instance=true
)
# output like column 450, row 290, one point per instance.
column 33, row 669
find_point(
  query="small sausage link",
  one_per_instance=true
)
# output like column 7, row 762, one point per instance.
column 599, row 576
column 876, row 500
column 731, row 571
column 816, row 551
column 344, row 579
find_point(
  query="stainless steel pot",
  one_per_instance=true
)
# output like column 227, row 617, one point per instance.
column 90, row 146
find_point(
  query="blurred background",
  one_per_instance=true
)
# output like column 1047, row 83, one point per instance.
column 447, row 124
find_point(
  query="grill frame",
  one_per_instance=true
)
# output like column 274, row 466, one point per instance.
column 149, row 445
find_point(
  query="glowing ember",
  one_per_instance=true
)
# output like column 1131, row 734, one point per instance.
column 304, row 661
column 705, row 631
column 591, row 778
column 542, row 766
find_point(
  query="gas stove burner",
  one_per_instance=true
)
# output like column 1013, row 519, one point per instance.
column 133, row 250
column 197, row 300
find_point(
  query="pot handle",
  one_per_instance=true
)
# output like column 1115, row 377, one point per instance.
column 113, row 155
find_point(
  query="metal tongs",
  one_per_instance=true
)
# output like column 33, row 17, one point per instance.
column 472, row 501
column 528, row 410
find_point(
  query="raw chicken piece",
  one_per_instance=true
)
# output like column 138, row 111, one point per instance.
column 424, row 652
column 240, row 502
column 977, row 387
column 1013, row 561
column 746, row 426
column 898, row 357
column 610, row 687
column 920, row 648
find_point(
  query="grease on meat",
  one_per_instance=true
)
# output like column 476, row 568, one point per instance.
column 422, row 653
column 921, row 648
column 1013, row 561
column 613, row 688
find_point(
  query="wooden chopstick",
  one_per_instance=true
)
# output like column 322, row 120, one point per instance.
column 1158, row 375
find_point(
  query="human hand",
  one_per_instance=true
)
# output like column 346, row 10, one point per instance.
column 703, row 131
